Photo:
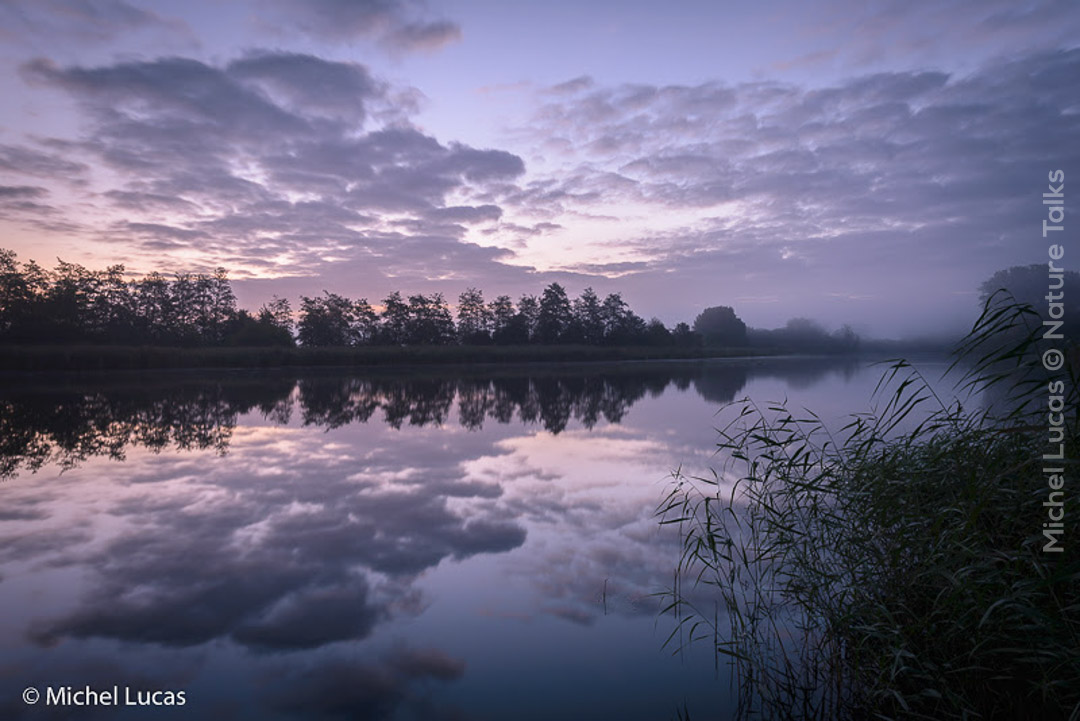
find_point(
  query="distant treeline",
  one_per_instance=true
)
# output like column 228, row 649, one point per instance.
column 74, row 305
column 551, row 319
column 71, row 305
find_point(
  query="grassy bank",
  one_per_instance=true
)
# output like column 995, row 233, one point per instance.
column 112, row 357
column 896, row 570
column 102, row 358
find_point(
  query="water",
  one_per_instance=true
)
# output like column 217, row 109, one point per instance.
column 472, row 546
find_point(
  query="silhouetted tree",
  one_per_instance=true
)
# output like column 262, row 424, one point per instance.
column 555, row 314
column 847, row 340
column 430, row 322
column 621, row 325
column 589, row 316
column 395, row 320
column 326, row 321
column 804, row 335
column 365, row 329
column 1031, row 284
column 154, row 308
column 474, row 325
column 528, row 317
column 15, row 294
column 720, row 326
column 684, row 337
column 657, row 334
column 220, row 305
column 502, row 317
column 277, row 312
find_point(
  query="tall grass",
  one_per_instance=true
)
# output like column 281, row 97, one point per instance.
column 893, row 570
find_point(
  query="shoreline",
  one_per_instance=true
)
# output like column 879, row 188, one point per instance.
column 19, row 360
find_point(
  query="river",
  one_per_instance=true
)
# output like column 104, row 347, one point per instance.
column 472, row 544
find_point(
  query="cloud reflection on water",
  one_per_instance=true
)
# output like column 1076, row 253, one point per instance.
column 297, row 529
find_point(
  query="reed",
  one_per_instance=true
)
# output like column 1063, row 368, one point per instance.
column 893, row 569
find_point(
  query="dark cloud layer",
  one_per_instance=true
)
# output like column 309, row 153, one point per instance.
column 397, row 24
column 81, row 20
column 29, row 161
column 275, row 156
column 902, row 170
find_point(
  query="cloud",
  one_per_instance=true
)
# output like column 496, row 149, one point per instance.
column 860, row 37
column 467, row 213
column 276, row 155
column 96, row 21
column 8, row 192
column 816, row 190
column 345, row 688
column 308, row 84
column 23, row 160
column 399, row 25
column 319, row 551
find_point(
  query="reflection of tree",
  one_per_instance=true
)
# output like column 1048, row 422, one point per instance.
column 550, row 399
column 66, row 426
column 803, row 373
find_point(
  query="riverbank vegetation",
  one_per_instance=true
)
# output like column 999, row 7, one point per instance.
column 907, row 566
column 74, row 318
column 71, row 305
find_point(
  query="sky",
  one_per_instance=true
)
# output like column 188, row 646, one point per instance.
column 861, row 163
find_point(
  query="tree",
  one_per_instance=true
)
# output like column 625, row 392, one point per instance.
column 430, row 322
column 395, row 320
column 846, row 339
column 684, row 337
column 366, row 328
column 621, row 325
column 186, row 303
column 528, row 319
column 115, row 306
column 555, row 314
column 69, row 301
column 277, row 312
column 273, row 326
column 1055, row 296
column 720, row 326
column 1030, row 284
column 474, row 318
column 154, row 314
column 589, row 316
column 325, row 321
column 220, row 305
column 16, row 296
column 657, row 334
column 502, row 317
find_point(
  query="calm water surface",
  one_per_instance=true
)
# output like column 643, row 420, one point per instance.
column 367, row 547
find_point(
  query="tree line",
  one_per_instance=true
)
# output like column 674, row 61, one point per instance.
column 72, row 304
column 552, row 318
